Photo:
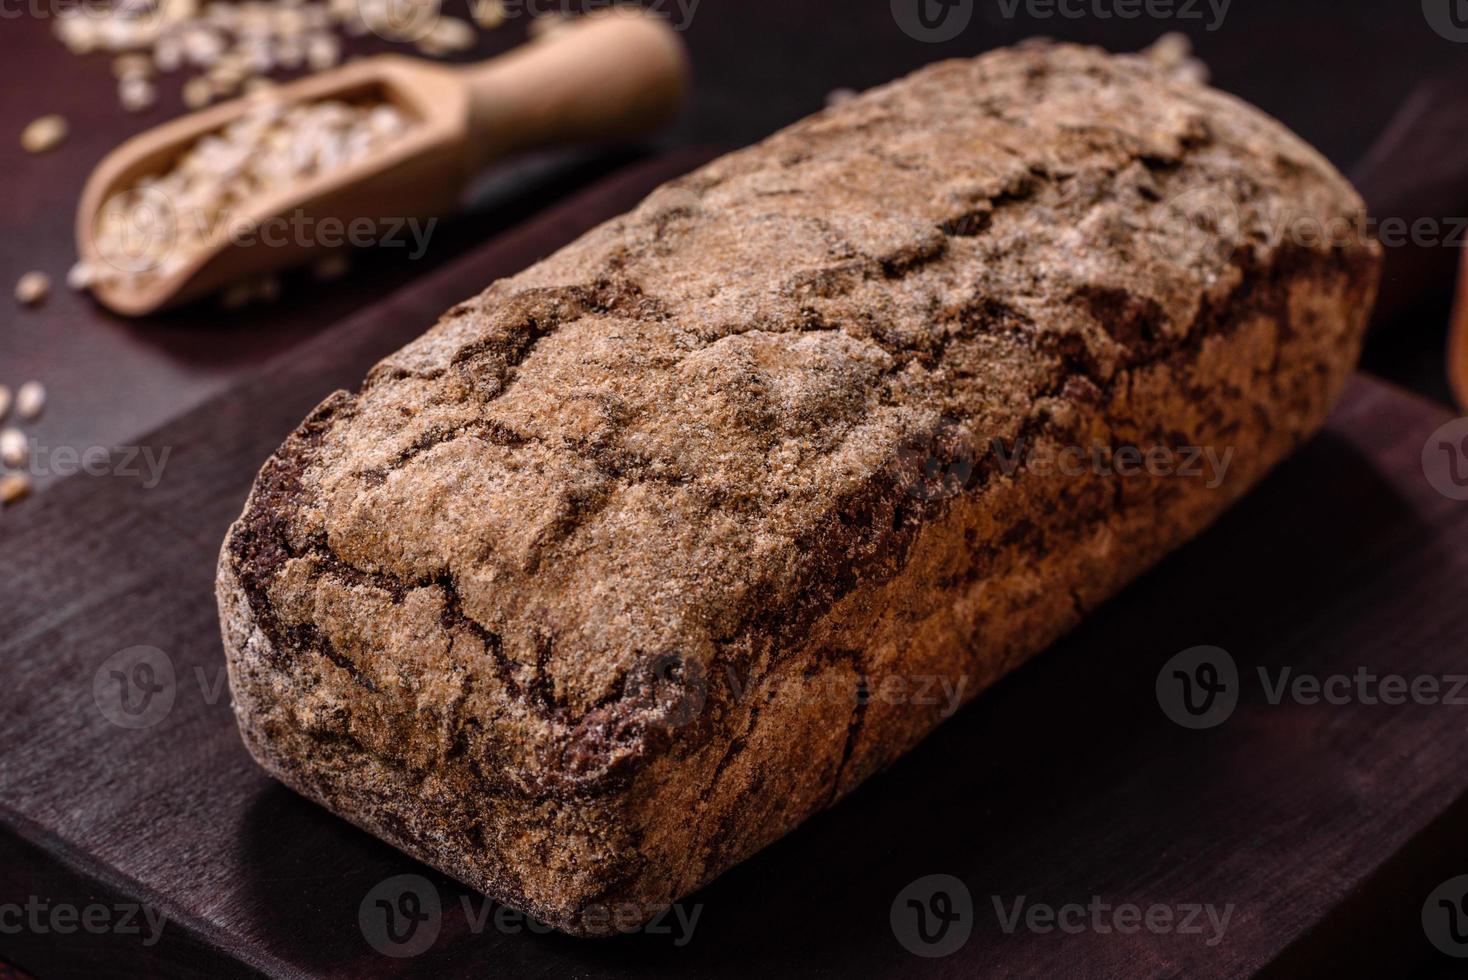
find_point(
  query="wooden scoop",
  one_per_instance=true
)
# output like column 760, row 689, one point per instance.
column 604, row 77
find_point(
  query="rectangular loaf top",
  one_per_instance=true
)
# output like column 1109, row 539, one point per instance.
column 668, row 439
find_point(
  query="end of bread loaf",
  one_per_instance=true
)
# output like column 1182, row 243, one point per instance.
column 582, row 597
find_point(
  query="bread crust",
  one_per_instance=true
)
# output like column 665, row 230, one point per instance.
column 645, row 555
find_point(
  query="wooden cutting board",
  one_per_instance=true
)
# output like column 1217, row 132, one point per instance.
column 1318, row 829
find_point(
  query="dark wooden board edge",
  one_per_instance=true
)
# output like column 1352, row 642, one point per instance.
column 1376, row 929
column 53, row 870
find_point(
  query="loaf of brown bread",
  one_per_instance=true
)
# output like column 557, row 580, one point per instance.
column 643, row 556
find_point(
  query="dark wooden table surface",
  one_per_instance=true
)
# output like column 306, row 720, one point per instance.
column 1324, row 827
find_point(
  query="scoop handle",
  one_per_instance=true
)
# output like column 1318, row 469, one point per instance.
column 604, row 77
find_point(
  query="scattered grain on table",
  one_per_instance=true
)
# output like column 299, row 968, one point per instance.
column 30, row 400
column 136, row 93
column 489, row 14
column 32, row 289
column 81, row 276
column 331, row 267
column 45, row 133
column 132, row 65
column 198, row 92
column 14, row 447
column 257, row 37
column 14, row 487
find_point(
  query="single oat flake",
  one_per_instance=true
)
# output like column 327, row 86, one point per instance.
column 14, row 487
column 45, row 133
column 30, row 400
column 32, row 289
column 14, row 448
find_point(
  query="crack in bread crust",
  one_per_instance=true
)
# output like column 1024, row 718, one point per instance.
column 531, row 603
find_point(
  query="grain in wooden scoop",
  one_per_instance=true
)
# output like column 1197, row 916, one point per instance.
column 159, row 224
